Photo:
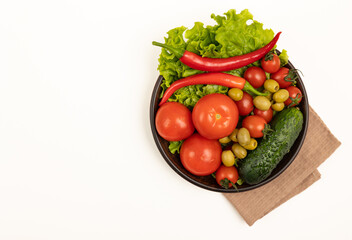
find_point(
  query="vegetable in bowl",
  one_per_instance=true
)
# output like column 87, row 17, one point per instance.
column 253, row 93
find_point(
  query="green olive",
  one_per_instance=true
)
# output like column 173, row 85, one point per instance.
column 281, row 96
column 262, row 103
column 278, row 106
column 233, row 135
column 243, row 136
column 239, row 151
column 252, row 145
column 227, row 158
column 235, row 94
column 271, row 85
column 224, row 140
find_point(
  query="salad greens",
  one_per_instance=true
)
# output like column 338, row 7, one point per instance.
column 283, row 58
column 175, row 146
column 233, row 34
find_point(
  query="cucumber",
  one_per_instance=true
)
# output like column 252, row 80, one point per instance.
column 260, row 162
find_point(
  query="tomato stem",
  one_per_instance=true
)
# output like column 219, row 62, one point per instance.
column 269, row 56
column 292, row 75
column 295, row 100
column 225, row 183
column 234, row 186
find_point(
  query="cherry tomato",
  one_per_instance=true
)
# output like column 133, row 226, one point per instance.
column 215, row 116
column 200, row 156
column 255, row 76
column 245, row 105
column 255, row 125
column 267, row 115
column 173, row 121
column 272, row 65
column 295, row 94
column 280, row 76
column 229, row 173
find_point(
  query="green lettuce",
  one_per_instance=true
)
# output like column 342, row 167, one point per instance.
column 283, row 58
column 190, row 95
column 175, row 146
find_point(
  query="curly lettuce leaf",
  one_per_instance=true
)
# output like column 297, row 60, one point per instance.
column 240, row 181
column 201, row 40
column 175, row 146
column 190, row 95
column 283, row 58
column 236, row 37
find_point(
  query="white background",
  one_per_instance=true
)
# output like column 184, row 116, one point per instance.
column 77, row 157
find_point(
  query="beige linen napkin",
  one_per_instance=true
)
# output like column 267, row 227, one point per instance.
column 302, row 173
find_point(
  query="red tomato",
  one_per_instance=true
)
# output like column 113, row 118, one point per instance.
column 272, row 65
column 215, row 116
column 200, row 156
column 255, row 76
column 279, row 77
column 245, row 105
column 173, row 121
column 255, row 125
column 295, row 94
column 267, row 115
column 226, row 172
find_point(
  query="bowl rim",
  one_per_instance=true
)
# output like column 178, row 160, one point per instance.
column 229, row 190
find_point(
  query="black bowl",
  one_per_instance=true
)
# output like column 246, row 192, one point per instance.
column 208, row 182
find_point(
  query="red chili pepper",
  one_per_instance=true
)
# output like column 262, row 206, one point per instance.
column 222, row 79
column 219, row 64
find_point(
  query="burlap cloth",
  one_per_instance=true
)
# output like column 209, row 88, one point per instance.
column 319, row 144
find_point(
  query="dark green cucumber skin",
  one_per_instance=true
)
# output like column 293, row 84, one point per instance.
column 260, row 162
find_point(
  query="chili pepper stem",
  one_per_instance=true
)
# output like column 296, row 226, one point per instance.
column 249, row 88
column 178, row 52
